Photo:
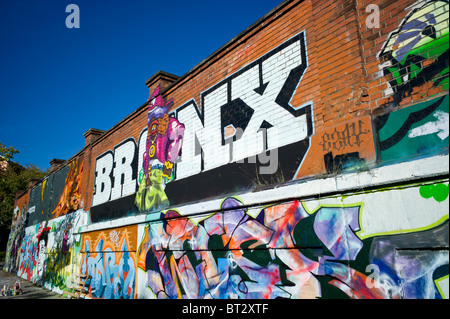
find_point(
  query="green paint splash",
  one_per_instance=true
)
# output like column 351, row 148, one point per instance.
column 438, row 191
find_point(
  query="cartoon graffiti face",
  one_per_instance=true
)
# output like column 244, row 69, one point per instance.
column 153, row 128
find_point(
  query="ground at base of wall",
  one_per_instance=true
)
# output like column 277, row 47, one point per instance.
column 29, row 290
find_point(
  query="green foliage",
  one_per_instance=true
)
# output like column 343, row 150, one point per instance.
column 13, row 178
column 7, row 153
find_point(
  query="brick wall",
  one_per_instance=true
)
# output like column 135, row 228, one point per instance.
column 345, row 80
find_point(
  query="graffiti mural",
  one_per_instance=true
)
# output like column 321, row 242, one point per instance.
column 64, row 247
column 58, row 194
column 47, row 252
column 15, row 239
column 417, row 267
column 109, row 257
column 235, row 140
column 42, row 246
column 28, row 258
column 416, row 131
column 417, row 53
column 164, row 142
column 70, row 198
column 282, row 253
column 42, row 240
column 289, row 251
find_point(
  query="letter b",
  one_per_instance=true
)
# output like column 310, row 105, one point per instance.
column 230, row 308
column 103, row 168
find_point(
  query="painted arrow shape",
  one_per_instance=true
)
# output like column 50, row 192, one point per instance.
column 441, row 127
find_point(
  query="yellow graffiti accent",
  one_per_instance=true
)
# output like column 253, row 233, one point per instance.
column 43, row 188
column 168, row 165
column 152, row 151
column 175, row 276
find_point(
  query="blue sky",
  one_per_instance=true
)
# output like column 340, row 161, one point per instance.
column 56, row 82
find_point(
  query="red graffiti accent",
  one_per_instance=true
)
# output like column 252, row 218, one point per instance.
column 355, row 287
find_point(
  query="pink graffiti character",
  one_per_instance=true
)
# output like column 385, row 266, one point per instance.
column 164, row 141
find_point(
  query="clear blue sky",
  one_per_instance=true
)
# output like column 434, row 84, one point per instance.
column 56, row 82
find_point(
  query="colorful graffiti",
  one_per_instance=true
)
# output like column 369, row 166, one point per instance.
column 416, row 131
column 64, row 246
column 232, row 255
column 70, row 199
column 28, row 257
column 58, row 194
column 15, row 239
column 164, row 142
column 42, row 240
column 48, row 251
column 280, row 251
column 415, row 261
column 109, row 258
column 417, row 53
column 33, row 252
